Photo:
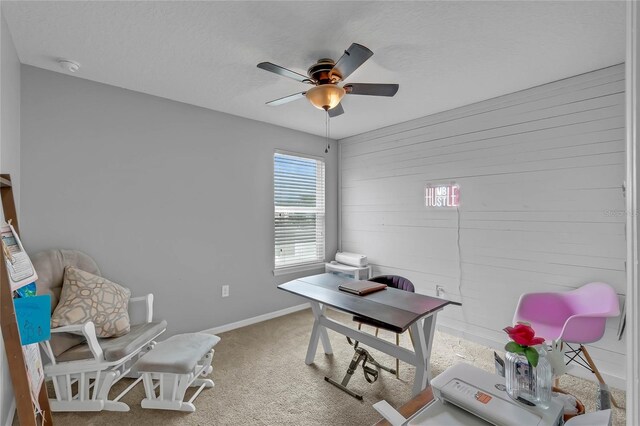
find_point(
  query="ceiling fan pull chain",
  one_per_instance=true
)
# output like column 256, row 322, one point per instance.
column 327, row 123
column 328, row 131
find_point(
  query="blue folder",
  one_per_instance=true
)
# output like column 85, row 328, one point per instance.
column 34, row 318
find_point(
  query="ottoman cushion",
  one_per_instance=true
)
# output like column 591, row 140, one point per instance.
column 178, row 354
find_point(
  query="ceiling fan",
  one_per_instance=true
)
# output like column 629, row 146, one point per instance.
column 325, row 75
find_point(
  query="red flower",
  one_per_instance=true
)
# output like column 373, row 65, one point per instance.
column 523, row 335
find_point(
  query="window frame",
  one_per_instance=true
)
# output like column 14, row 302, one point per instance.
column 302, row 266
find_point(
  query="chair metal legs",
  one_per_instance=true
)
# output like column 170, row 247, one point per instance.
column 370, row 374
column 397, row 360
column 397, row 344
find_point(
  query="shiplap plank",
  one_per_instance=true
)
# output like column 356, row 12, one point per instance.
column 535, row 151
column 447, row 172
column 503, row 103
column 487, row 121
column 528, row 142
column 605, row 119
column 560, row 246
column 598, row 176
column 554, row 208
column 545, row 228
column 480, row 274
column 542, row 206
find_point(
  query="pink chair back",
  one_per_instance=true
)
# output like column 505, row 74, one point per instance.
column 594, row 299
column 576, row 316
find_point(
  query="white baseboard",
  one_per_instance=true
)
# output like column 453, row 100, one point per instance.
column 611, row 380
column 11, row 413
column 255, row 320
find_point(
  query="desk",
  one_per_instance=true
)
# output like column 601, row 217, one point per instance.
column 394, row 309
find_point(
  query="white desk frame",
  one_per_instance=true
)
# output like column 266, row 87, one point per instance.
column 422, row 330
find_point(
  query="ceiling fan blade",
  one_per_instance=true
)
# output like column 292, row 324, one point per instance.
column 286, row 99
column 336, row 111
column 277, row 69
column 371, row 89
column 352, row 58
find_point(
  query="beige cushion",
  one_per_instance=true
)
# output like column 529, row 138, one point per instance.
column 116, row 348
column 178, row 354
column 49, row 265
column 88, row 297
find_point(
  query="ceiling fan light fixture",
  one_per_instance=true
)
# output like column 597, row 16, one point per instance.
column 325, row 96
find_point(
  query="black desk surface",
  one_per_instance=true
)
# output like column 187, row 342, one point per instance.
column 395, row 309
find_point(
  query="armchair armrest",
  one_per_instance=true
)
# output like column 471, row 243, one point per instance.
column 584, row 328
column 147, row 301
column 88, row 330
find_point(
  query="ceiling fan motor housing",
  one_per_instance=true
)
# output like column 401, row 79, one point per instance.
column 323, row 72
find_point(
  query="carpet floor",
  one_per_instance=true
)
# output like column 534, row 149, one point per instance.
column 261, row 379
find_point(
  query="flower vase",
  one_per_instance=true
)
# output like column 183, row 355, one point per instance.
column 527, row 384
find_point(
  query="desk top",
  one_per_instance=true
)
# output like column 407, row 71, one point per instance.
column 395, row 309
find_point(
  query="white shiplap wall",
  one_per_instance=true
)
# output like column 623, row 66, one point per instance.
column 541, row 174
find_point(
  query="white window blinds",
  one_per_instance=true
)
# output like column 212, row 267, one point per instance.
column 298, row 184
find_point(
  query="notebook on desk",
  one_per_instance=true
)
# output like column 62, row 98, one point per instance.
column 361, row 287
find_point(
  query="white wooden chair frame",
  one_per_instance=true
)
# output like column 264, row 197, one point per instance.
column 94, row 377
column 171, row 387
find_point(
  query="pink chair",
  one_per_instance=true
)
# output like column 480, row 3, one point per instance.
column 577, row 316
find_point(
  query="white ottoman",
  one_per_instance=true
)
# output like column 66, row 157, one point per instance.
column 174, row 365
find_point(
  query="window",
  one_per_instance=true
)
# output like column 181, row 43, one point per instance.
column 298, row 198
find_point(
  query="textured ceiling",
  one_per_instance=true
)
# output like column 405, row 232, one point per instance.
column 443, row 54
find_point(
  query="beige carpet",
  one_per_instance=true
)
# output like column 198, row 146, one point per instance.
column 261, row 379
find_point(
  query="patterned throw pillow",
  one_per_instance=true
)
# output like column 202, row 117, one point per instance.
column 88, row 297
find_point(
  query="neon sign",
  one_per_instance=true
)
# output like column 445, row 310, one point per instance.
column 442, row 196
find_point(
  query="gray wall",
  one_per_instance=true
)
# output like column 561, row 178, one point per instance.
column 9, row 163
column 541, row 202
column 168, row 198
column 10, row 128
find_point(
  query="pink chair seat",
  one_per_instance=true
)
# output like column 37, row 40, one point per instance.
column 549, row 332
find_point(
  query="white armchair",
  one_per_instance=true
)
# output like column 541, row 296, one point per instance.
column 76, row 355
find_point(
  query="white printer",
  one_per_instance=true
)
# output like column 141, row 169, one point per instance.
column 466, row 395
column 352, row 265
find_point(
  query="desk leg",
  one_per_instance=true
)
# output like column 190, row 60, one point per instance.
column 318, row 332
column 422, row 344
column 324, row 336
column 422, row 360
column 429, row 328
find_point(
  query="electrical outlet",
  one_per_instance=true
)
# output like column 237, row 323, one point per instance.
column 439, row 290
column 225, row 291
